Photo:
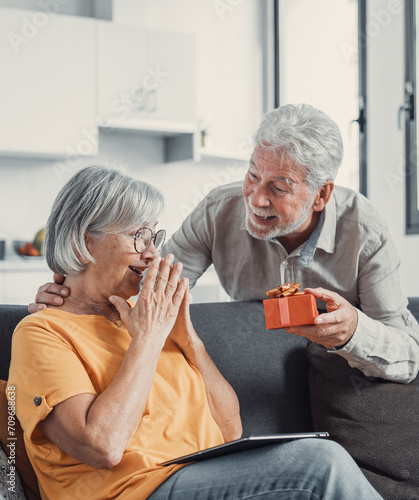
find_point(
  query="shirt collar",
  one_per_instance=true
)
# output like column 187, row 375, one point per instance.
column 327, row 238
column 323, row 236
column 309, row 248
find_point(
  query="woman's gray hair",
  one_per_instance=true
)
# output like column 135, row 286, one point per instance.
column 304, row 135
column 97, row 200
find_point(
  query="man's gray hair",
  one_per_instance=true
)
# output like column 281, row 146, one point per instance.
column 97, row 200
column 304, row 135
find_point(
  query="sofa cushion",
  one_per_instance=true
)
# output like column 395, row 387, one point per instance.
column 267, row 369
column 23, row 465
column 10, row 485
column 10, row 317
column 376, row 420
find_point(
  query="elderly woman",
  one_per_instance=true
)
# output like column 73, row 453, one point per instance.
column 107, row 388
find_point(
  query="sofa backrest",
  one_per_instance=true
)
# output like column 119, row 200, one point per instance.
column 267, row 368
column 9, row 318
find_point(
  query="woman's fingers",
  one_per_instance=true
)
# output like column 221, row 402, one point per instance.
column 169, row 276
column 150, row 278
column 173, row 281
column 165, row 273
column 184, row 307
column 121, row 305
column 160, row 299
column 180, row 293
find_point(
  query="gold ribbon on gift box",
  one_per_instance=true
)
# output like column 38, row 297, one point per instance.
column 285, row 290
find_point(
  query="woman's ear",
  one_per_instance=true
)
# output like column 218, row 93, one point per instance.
column 87, row 239
column 83, row 260
column 323, row 196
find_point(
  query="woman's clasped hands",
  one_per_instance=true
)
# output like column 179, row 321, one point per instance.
column 155, row 312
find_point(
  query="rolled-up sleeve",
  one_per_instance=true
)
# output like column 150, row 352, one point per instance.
column 44, row 371
column 386, row 341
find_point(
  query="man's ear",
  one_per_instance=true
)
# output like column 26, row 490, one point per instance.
column 323, row 196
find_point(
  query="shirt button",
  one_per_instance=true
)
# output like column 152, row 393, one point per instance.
column 37, row 401
column 409, row 319
column 285, row 263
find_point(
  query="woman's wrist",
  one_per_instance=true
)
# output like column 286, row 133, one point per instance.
column 192, row 348
column 144, row 342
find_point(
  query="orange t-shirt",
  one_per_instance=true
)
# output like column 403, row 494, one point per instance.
column 56, row 355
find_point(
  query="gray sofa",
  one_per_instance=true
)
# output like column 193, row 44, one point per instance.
column 268, row 369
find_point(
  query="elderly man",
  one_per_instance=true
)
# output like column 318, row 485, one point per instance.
column 289, row 222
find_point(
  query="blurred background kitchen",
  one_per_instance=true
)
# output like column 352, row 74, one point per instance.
column 173, row 90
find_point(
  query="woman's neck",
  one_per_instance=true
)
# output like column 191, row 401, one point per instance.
column 85, row 300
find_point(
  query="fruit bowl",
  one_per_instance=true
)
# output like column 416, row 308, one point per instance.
column 26, row 250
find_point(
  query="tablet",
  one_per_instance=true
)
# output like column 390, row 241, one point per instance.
column 243, row 444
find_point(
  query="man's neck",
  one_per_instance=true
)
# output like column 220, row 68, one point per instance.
column 292, row 241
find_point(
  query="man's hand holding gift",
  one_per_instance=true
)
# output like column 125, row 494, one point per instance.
column 291, row 310
column 333, row 329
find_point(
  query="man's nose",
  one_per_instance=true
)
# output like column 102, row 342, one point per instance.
column 260, row 197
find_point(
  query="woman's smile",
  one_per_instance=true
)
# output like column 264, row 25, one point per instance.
column 137, row 270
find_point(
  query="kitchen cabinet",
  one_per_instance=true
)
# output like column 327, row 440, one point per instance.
column 144, row 74
column 171, row 57
column 47, row 88
column 122, row 64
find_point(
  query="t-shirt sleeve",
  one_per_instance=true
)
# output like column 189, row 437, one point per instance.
column 45, row 370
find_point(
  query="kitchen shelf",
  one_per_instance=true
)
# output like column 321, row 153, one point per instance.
column 205, row 155
column 147, row 126
column 179, row 137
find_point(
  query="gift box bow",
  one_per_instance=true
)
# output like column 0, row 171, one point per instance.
column 285, row 290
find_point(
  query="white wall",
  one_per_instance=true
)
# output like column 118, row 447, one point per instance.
column 229, row 70
column 229, row 62
column 28, row 187
column 386, row 178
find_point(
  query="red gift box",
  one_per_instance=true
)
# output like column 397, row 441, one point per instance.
column 295, row 310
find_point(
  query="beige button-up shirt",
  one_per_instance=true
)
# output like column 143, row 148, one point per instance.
column 351, row 252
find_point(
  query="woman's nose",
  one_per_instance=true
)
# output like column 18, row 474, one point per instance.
column 151, row 253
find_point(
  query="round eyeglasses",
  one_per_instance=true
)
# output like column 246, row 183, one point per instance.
column 144, row 236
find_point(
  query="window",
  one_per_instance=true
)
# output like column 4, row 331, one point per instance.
column 322, row 62
column 410, row 110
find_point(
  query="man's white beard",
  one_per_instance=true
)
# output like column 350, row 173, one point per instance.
column 278, row 228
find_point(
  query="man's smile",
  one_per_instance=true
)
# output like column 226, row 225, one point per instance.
column 264, row 218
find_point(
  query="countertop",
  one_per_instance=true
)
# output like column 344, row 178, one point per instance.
column 19, row 264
